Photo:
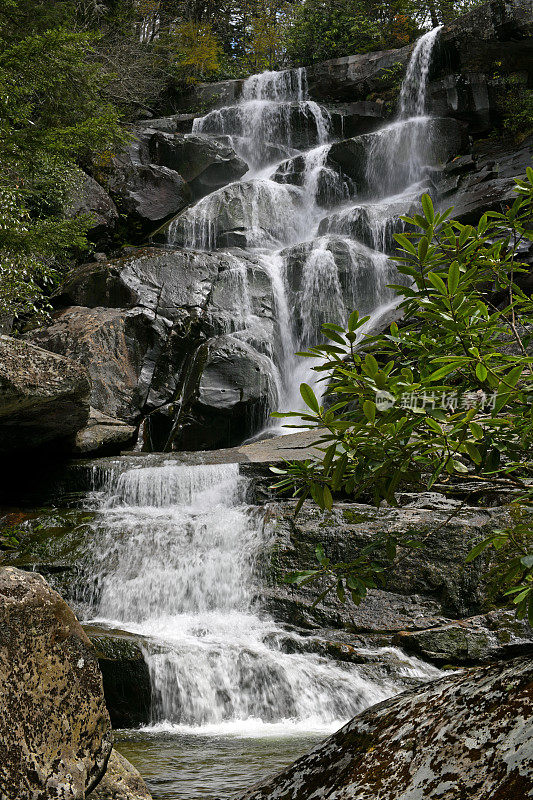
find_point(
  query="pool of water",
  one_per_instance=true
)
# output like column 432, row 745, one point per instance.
column 196, row 766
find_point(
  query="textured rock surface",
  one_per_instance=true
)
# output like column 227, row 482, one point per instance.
column 54, row 726
column 427, row 587
column 120, row 782
column 114, row 346
column 484, row 182
column 102, row 434
column 481, row 639
column 43, row 397
column 87, row 197
column 125, row 675
column 464, row 736
column 205, row 163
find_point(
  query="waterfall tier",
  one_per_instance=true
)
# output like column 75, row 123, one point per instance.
column 175, row 557
column 319, row 212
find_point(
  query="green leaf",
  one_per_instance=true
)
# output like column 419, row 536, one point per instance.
column 309, row 397
column 453, row 277
column 481, row 371
column 427, row 205
column 369, row 410
column 441, row 372
column 437, row 282
column 473, row 452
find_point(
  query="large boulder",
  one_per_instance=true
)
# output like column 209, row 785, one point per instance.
column 87, row 198
column 120, row 782
column 205, row 163
column 148, row 353
column 466, row 735
column 117, row 348
column 43, row 396
column 54, row 725
column 147, row 194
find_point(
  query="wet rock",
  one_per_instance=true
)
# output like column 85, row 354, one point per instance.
column 55, row 729
column 373, row 223
column 482, row 639
column 120, row 782
column 125, row 675
column 103, row 435
column 465, row 97
column 175, row 123
column 355, row 77
column 147, row 194
column 467, row 735
column 261, row 211
column 218, row 94
column 374, row 162
column 487, row 184
column 231, row 398
column 205, row 163
column 358, row 278
column 43, row 397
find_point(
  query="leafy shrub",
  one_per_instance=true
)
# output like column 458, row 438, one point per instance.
column 444, row 396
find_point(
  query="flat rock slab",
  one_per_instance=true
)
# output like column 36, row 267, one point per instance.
column 465, row 736
column 55, row 731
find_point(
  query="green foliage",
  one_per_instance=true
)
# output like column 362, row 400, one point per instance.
column 446, row 395
column 53, row 113
column 514, row 101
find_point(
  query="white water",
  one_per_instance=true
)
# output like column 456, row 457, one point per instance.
column 174, row 558
column 318, row 237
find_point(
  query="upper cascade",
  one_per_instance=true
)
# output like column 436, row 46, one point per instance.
column 319, row 213
column 412, row 101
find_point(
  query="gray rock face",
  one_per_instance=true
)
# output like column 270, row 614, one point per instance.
column 116, row 348
column 205, row 163
column 43, row 397
column 467, row 735
column 148, row 194
column 354, row 77
column 54, row 726
column 89, row 198
column 149, row 353
column 473, row 185
column 482, row 639
column 120, row 782
column 426, row 587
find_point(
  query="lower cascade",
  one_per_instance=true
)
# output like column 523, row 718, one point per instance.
column 176, row 558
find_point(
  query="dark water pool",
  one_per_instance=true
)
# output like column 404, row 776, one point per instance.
column 182, row 766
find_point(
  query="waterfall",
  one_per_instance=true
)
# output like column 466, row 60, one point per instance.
column 175, row 557
column 320, row 236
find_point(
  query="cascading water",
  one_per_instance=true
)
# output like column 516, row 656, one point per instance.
column 176, row 553
column 174, row 558
column 320, row 235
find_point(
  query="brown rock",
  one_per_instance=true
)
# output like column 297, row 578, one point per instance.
column 43, row 397
column 120, row 782
column 54, row 726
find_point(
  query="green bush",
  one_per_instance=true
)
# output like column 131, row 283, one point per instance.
column 447, row 395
